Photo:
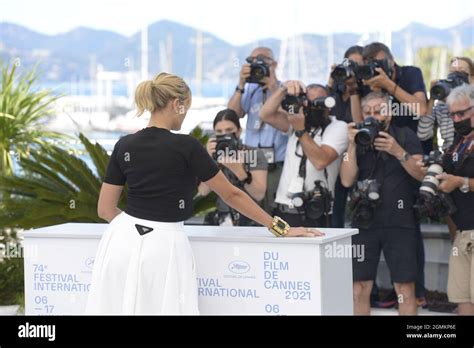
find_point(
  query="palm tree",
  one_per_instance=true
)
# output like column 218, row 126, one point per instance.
column 55, row 186
column 22, row 111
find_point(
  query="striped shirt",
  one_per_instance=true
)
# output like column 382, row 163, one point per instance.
column 445, row 125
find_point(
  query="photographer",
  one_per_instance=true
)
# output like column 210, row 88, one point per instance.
column 345, row 88
column 458, row 180
column 461, row 70
column 312, row 161
column 381, row 160
column 257, row 81
column 244, row 167
column 404, row 84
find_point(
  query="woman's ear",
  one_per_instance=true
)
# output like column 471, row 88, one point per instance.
column 178, row 107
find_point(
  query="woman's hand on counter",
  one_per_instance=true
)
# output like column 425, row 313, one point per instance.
column 304, row 232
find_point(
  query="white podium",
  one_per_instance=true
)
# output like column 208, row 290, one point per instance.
column 240, row 270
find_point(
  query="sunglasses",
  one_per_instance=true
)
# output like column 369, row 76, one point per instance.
column 460, row 113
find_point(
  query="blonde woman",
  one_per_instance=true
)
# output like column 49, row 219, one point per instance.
column 144, row 263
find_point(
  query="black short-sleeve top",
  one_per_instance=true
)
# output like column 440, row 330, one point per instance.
column 162, row 170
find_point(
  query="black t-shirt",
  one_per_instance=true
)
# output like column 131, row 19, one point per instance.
column 397, row 193
column 161, row 170
column 464, row 167
column 410, row 79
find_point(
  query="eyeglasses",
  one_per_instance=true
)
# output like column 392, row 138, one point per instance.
column 460, row 113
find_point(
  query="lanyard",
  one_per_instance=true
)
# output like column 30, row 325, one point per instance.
column 302, row 166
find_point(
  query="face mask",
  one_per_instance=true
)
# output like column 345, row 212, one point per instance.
column 463, row 127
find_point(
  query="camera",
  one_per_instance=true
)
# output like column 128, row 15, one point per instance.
column 367, row 71
column 343, row 71
column 443, row 87
column 368, row 131
column 225, row 144
column 363, row 201
column 292, row 103
column 258, row 70
column 431, row 202
column 315, row 204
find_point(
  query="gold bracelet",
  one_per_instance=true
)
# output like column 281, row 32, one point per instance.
column 280, row 227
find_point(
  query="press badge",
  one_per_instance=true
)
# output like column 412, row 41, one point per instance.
column 269, row 153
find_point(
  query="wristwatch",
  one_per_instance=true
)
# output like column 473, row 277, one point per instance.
column 405, row 157
column 279, row 227
column 299, row 133
column 248, row 179
column 238, row 89
column 465, row 186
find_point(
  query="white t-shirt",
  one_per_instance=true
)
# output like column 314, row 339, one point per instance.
column 335, row 136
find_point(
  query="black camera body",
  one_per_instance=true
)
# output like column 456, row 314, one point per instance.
column 431, row 202
column 315, row 204
column 226, row 144
column 343, row 71
column 258, row 70
column 364, row 199
column 292, row 103
column 443, row 87
column 367, row 71
column 368, row 130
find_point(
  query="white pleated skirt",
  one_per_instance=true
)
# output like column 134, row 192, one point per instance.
column 147, row 274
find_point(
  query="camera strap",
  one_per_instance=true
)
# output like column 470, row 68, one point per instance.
column 302, row 166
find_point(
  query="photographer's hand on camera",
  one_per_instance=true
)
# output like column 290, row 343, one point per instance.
column 211, row 146
column 352, row 133
column 449, row 182
column 381, row 81
column 272, row 112
column 331, row 80
column 297, row 121
column 385, row 142
column 294, row 87
column 244, row 74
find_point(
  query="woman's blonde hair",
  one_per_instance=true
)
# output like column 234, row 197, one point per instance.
column 153, row 95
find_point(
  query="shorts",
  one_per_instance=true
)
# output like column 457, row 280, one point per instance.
column 461, row 269
column 399, row 249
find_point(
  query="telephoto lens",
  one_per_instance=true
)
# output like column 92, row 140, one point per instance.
column 323, row 102
column 430, row 184
column 373, row 190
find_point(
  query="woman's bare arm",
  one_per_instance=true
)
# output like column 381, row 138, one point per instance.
column 108, row 201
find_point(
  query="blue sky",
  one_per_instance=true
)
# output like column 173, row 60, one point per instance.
column 240, row 21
